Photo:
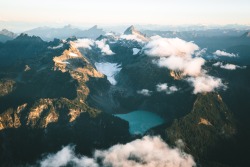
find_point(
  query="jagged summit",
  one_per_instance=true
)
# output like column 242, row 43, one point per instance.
column 94, row 27
column 24, row 36
column 246, row 35
column 132, row 31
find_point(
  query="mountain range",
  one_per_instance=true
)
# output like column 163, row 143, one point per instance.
column 48, row 33
column 68, row 91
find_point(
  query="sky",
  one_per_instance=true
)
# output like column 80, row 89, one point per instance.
column 115, row 12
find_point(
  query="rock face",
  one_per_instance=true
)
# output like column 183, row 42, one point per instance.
column 44, row 103
column 11, row 117
column 132, row 31
column 46, row 110
column 209, row 123
column 177, row 75
column 6, row 86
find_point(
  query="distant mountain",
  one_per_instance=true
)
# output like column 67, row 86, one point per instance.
column 132, row 31
column 6, row 35
column 48, row 33
column 93, row 33
column 57, row 93
column 21, row 47
column 246, row 35
column 190, row 34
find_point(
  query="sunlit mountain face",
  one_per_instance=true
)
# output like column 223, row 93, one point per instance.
column 139, row 98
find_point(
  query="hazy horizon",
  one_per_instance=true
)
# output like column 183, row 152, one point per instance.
column 26, row 14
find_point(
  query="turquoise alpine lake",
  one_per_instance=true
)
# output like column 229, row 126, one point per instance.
column 140, row 121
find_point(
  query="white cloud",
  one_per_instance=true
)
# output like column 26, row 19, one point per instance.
column 175, row 54
column 109, row 69
column 200, row 52
column 105, row 49
column 165, row 88
column 145, row 152
column 162, row 87
column 56, row 47
column 172, row 89
column 145, row 92
column 223, row 53
column 179, row 55
column 165, row 47
column 84, row 43
column 136, row 51
column 205, row 83
column 131, row 38
column 67, row 156
column 89, row 43
column 227, row 66
column 189, row 66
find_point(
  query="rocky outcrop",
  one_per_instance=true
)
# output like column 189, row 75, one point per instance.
column 11, row 117
column 6, row 87
column 177, row 75
column 132, row 31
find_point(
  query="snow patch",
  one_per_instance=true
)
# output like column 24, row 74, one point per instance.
column 136, row 51
column 110, row 70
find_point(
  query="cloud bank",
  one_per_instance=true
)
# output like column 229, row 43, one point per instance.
column 189, row 66
column 223, row 53
column 179, row 55
column 165, row 47
column 145, row 152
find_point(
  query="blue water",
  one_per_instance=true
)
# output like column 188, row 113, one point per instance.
column 140, row 121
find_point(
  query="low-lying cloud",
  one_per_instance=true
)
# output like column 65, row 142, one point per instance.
column 89, row 43
column 223, row 53
column 165, row 88
column 205, row 83
column 189, row 66
column 131, row 38
column 185, row 57
column 145, row 92
column 105, row 49
column 145, row 152
column 165, row 47
column 84, row 43
column 56, row 47
column 228, row 66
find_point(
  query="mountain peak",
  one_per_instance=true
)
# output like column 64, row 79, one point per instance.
column 26, row 37
column 7, row 33
column 130, row 30
column 95, row 27
column 246, row 35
